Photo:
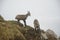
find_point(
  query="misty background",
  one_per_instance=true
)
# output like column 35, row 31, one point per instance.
column 46, row 11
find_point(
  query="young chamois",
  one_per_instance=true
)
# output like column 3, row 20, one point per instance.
column 23, row 17
column 37, row 28
column 36, row 25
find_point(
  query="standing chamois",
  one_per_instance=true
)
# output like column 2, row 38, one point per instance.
column 23, row 17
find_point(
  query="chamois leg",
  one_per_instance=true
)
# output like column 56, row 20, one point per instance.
column 25, row 23
column 18, row 20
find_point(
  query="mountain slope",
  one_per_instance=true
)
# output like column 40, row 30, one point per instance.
column 9, row 30
column 13, row 30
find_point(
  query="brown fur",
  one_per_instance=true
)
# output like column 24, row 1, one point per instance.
column 22, row 17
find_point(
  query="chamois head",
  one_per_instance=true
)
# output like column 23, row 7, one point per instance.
column 28, row 13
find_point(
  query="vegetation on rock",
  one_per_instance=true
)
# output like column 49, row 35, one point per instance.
column 13, row 30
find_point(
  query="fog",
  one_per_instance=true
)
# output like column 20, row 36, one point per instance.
column 46, row 11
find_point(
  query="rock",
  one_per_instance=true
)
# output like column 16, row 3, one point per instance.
column 1, row 19
column 51, row 35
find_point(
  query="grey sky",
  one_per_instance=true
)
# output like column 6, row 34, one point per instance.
column 46, row 11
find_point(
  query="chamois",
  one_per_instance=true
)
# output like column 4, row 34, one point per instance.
column 37, row 28
column 23, row 17
column 36, row 24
